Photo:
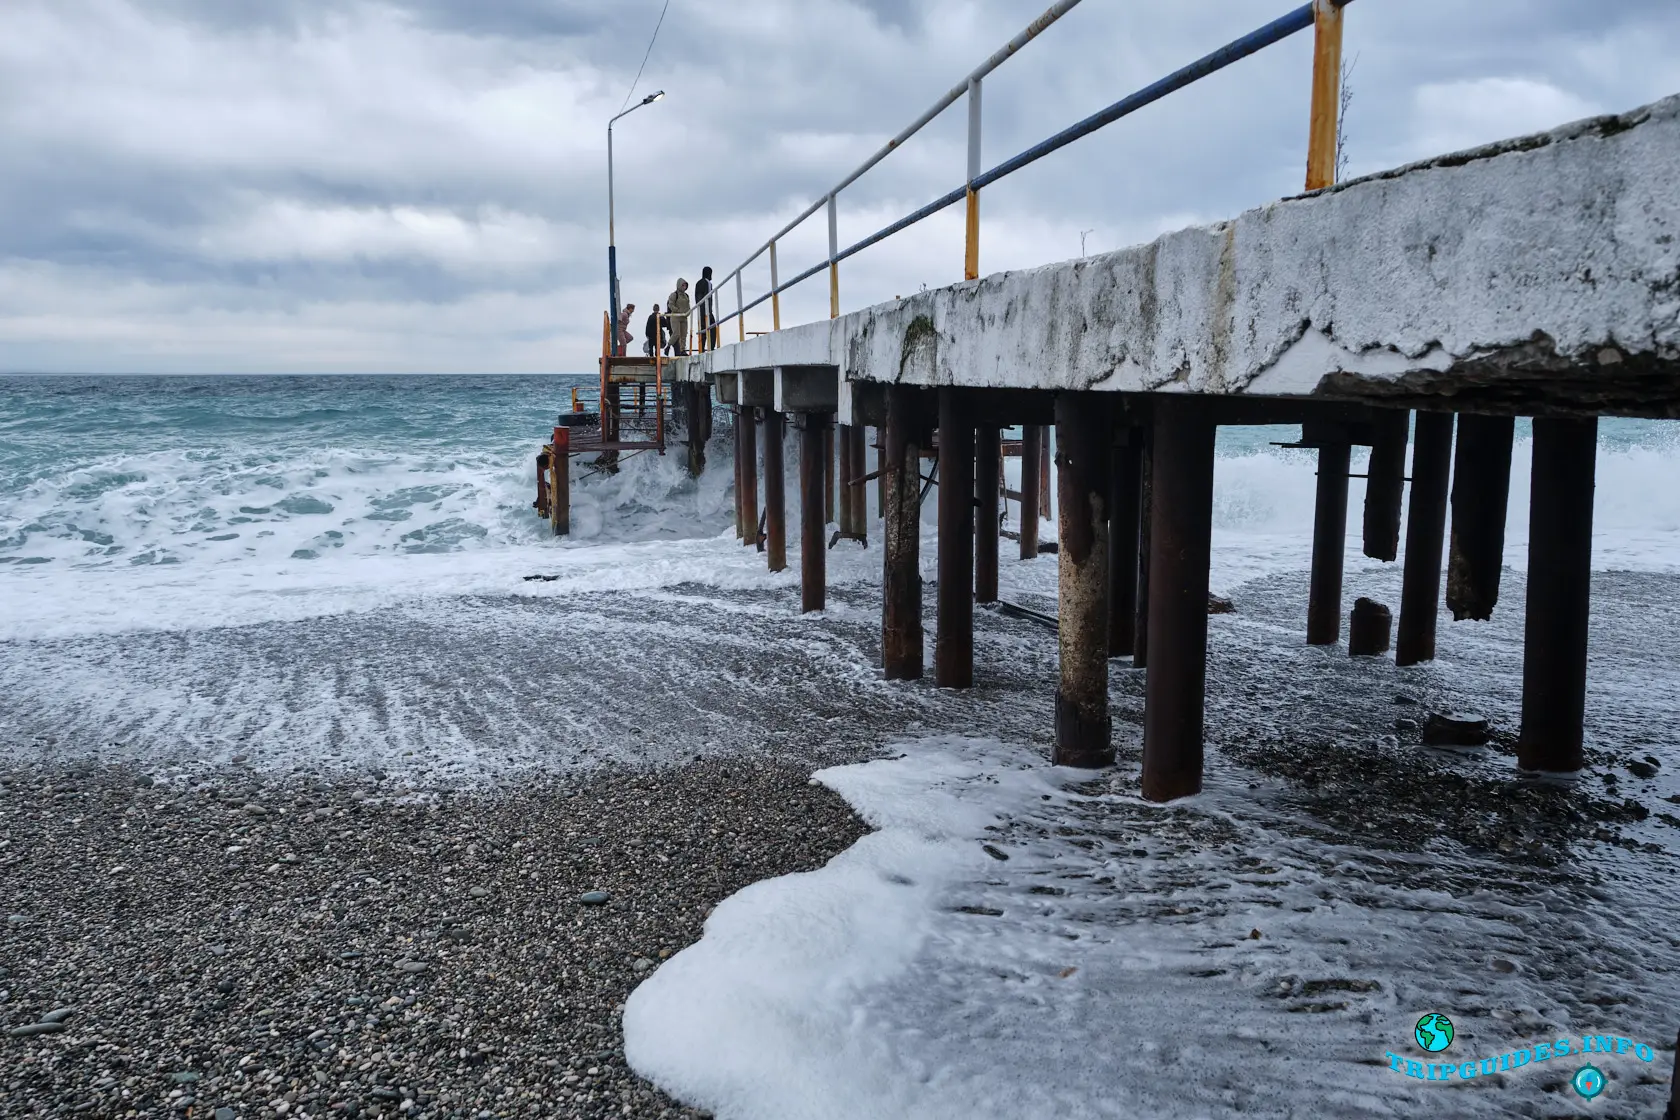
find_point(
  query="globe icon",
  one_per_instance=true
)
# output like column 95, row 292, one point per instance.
column 1434, row 1032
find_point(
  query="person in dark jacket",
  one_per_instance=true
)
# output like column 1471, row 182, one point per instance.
column 654, row 342
column 703, row 307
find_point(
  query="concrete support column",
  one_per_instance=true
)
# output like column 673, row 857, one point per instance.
column 901, row 600
column 988, row 461
column 1123, row 496
column 1480, row 490
column 1426, row 528
column 815, row 434
column 1032, row 439
column 1324, row 600
column 1559, row 588
column 1083, row 728
column 1179, row 547
column 699, row 404
column 775, row 495
column 749, row 476
column 953, row 650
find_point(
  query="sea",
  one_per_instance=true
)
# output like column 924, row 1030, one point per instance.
column 320, row 575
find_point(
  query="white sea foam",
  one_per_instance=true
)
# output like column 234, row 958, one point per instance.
column 1142, row 968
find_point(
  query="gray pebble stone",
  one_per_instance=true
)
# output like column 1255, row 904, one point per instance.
column 58, row 1015
column 478, row 892
column 29, row 1029
column 183, row 1077
column 226, row 1113
column 594, row 898
column 411, row 966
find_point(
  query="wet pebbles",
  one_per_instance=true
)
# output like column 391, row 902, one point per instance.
column 319, row 949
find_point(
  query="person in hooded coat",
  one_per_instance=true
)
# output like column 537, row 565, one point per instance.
column 676, row 306
column 703, row 307
column 653, row 341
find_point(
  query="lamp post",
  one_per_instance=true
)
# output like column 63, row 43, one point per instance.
column 612, row 248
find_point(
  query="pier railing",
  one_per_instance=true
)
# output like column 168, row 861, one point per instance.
column 1325, row 16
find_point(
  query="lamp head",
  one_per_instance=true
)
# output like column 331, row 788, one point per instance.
column 652, row 97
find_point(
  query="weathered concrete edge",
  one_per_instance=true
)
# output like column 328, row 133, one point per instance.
column 1543, row 267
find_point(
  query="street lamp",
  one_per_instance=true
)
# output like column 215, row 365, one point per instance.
column 612, row 248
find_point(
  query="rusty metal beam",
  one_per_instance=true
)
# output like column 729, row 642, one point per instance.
column 1084, row 730
column 901, row 605
column 1123, row 496
column 1032, row 437
column 775, row 491
column 749, row 476
column 1324, row 598
column 1480, row 491
column 988, row 464
column 1181, row 510
column 953, row 649
column 1385, row 484
column 1426, row 527
column 814, row 434
column 1559, row 589
column 1146, row 536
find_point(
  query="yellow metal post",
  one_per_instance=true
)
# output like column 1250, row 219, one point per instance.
column 833, row 265
column 740, row 309
column 1326, row 94
column 971, row 241
column 971, row 255
column 775, row 296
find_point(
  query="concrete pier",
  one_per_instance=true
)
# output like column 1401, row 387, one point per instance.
column 1083, row 728
column 1385, row 483
column 953, row 649
column 1559, row 588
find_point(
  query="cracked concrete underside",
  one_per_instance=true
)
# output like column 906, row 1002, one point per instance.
column 1536, row 276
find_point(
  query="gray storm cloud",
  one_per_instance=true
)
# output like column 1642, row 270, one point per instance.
column 341, row 185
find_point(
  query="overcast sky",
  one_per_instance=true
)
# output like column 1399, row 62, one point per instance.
column 420, row 185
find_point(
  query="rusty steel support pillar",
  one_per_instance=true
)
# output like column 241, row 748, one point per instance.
column 858, row 490
column 988, row 464
column 699, row 407
column 740, row 522
column 1181, row 511
column 1385, row 484
column 749, row 476
column 1044, row 477
column 1480, row 490
column 560, row 485
column 1032, row 438
column 1084, row 735
column 953, row 647
column 828, row 471
column 775, row 491
column 1426, row 528
column 901, row 600
column 1559, row 586
column 880, row 470
column 1324, row 599
column 1146, row 535
column 1123, row 494
column 848, row 470
column 815, row 434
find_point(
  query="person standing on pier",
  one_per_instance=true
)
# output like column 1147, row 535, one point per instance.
column 653, row 343
column 703, row 308
column 676, row 306
column 624, row 336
